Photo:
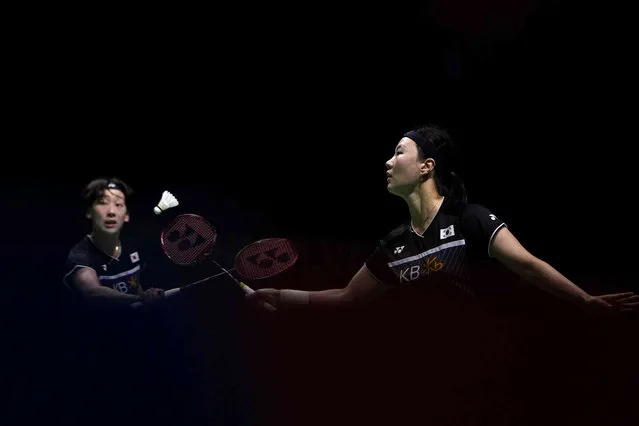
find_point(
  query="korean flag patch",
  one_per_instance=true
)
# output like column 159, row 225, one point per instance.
column 134, row 257
column 446, row 232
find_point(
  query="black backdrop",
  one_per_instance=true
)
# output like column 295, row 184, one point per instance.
column 274, row 121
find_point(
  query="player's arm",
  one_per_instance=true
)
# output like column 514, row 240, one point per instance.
column 363, row 286
column 508, row 250
column 86, row 281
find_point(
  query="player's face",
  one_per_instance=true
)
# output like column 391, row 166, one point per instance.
column 403, row 168
column 109, row 212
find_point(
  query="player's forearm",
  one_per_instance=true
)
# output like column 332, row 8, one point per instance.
column 322, row 298
column 329, row 298
column 109, row 295
column 544, row 276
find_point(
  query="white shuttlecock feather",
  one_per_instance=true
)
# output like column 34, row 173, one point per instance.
column 168, row 200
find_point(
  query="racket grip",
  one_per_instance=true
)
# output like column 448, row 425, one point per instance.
column 249, row 290
column 172, row 291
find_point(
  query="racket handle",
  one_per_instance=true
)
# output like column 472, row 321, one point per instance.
column 168, row 293
column 249, row 290
column 172, row 291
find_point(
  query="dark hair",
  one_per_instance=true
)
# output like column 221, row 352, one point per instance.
column 447, row 181
column 95, row 189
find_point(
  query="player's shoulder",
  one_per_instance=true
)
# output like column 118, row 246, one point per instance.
column 395, row 234
column 81, row 250
column 470, row 214
column 474, row 210
column 459, row 207
column 83, row 244
column 452, row 207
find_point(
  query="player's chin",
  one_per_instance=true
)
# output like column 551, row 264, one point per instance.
column 398, row 191
column 111, row 229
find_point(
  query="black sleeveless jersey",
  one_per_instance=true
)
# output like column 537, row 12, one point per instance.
column 121, row 273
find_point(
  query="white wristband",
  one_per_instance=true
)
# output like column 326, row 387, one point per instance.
column 294, row 297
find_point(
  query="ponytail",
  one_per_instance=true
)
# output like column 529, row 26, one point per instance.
column 451, row 185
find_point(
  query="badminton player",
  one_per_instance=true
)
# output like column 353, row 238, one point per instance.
column 99, row 266
column 126, row 363
column 445, row 242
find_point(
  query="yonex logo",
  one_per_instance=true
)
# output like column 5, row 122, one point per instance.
column 492, row 217
column 399, row 249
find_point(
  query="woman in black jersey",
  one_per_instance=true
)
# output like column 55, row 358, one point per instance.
column 444, row 241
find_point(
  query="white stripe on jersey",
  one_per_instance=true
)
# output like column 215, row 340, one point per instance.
column 493, row 236
column 427, row 252
column 112, row 277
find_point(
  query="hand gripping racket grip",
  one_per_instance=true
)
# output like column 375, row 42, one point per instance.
column 249, row 290
column 167, row 293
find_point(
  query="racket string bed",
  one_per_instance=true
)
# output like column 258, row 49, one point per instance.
column 189, row 239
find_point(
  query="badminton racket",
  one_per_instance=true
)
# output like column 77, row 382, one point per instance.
column 189, row 239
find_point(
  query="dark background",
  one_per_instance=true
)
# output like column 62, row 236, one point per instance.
column 277, row 121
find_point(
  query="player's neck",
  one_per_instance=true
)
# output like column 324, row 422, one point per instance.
column 423, row 205
column 107, row 243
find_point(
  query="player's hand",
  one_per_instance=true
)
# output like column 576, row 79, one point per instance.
column 267, row 298
column 152, row 294
column 612, row 303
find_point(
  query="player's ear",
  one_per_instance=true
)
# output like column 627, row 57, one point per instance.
column 426, row 167
column 88, row 214
column 126, row 218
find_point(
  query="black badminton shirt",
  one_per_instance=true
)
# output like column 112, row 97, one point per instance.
column 446, row 257
column 121, row 273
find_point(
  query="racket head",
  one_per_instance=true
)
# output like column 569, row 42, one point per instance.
column 265, row 258
column 188, row 239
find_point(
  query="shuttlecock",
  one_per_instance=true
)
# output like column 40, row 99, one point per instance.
column 168, row 200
